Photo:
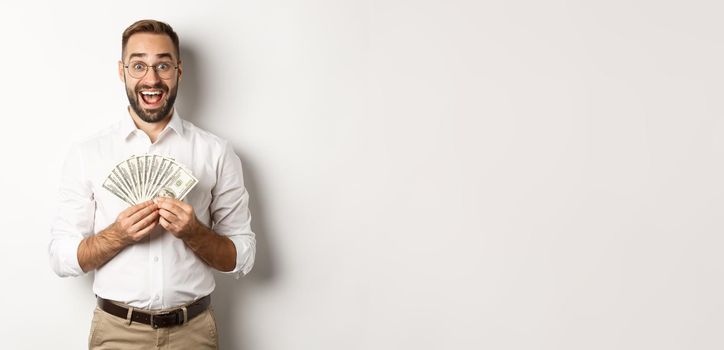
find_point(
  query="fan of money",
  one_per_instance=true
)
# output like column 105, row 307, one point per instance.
column 141, row 178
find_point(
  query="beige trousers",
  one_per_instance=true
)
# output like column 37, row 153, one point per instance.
column 112, row 332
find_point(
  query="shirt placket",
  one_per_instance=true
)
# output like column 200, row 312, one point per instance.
column 155, row 251
column 155, row 264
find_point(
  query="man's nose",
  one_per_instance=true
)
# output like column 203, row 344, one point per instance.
column 152, row 75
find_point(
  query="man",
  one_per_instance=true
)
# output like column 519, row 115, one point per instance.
column 153, row 261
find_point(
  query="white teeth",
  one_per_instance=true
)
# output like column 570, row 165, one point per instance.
column 151, row 92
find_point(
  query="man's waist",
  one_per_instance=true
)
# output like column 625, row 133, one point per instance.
column 116, row 282
column 156, row 318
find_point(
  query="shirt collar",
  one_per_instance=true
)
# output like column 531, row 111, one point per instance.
column 176, row 123
column 127, row 126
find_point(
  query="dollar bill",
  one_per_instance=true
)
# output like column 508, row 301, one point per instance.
column 143, row 177
column 182, row 183
column 153, row 167
column 124, row 173
column 118, row 183
column 133, row 170
column 109, row 185
column 141, row 162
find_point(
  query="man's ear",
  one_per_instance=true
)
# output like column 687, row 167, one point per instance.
column 120, row 71
column 180, row 70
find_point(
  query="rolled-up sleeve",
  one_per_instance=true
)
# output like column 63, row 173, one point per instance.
column 230, row 210
column 74, row 216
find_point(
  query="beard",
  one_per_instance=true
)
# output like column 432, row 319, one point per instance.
column 152, row 115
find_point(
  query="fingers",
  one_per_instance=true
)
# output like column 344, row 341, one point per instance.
column 137, row 221
column 145, row 231
column 168, row 215
column 144, row 212
column 171, row 212
column 175, row 206
column 172, row 222
column 133, row 209
column 149, row 219
column 174, row 227
column 175, row 216
column 166, row 224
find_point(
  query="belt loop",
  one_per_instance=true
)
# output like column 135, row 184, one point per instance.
column 129, row 317
column 186, row 314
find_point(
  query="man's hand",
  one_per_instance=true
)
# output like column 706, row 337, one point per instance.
column 177, row 217
column 136, row 222
column 132, row 225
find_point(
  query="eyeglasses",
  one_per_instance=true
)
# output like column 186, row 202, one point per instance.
column 138, row 69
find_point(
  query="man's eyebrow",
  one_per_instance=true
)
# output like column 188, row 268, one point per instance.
column 160, row 55
column 164, row 55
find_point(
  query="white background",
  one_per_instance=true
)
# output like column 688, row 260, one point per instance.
column 423, row 174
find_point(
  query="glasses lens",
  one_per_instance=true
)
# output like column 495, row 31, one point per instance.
column 137, row 69
column 165, row 70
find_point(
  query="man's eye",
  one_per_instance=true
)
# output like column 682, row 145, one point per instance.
column 163, row 66
column 139, row 67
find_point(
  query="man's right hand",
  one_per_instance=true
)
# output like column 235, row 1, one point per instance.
column 136, row 222
column 132, row 225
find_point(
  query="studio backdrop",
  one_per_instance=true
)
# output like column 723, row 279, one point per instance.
column 423, row 174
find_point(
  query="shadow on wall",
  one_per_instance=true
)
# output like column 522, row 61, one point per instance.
column 191, row 89
column 230, row 295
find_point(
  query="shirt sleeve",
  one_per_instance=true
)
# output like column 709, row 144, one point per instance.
column 230, row 211
column 74, row 216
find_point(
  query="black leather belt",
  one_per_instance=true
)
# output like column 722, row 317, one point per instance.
column 157, row 320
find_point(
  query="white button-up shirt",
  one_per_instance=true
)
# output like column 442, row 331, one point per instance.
column 160, row 271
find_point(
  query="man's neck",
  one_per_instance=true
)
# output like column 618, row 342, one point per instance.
column 151, row 129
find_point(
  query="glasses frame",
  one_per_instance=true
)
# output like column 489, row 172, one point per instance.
column 155, row 69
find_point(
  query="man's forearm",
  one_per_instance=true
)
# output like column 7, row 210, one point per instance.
column 94, row 251
column 132, row 225
column 214, row 249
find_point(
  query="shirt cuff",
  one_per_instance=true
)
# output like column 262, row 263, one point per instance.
column 64, row 257
column 245, row 254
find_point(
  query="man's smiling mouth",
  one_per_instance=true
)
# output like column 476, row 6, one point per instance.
column 151, row 97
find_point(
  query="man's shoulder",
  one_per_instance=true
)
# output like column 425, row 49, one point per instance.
column 204, row 136
column 101, row 137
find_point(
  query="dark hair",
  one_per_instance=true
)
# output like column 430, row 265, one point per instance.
column 150, row 26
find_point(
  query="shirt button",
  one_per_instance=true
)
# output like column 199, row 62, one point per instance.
column 155, row 258
column 156, row 297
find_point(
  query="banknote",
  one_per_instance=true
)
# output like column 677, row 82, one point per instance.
column 143, row 177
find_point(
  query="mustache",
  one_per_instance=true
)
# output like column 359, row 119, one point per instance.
column 158, row 86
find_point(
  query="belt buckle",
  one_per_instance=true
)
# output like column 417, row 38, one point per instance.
column 166, row 319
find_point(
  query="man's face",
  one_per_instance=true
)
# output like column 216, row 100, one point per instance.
column 151, row 96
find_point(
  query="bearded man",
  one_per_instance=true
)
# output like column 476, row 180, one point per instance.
column 153, row 261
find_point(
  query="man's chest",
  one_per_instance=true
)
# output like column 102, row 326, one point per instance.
column 134, row 169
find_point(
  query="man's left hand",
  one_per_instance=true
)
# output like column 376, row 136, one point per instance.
column 177, row 217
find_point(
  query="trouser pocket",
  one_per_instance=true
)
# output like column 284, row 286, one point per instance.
column 93, row 336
